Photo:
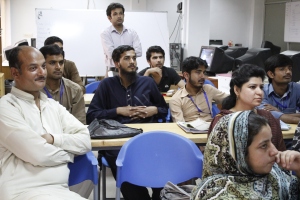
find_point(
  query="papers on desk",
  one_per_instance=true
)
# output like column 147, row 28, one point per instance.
column 284, row 126
column 196, row 126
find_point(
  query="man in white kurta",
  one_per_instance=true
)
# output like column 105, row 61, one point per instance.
column 38, row 136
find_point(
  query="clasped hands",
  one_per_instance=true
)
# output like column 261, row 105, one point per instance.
column 136, row 112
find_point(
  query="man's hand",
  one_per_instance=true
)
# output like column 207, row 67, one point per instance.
column 48, row 137
column 154, row 71
column 269, row 107
column 143, row 112
column 289, row 160
column 126, row 111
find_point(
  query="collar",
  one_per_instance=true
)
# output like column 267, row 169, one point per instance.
column 26, row 96
column 164, row 72
column 185, row 93
column 271, row 90
column 120, row 81
column 113, row 29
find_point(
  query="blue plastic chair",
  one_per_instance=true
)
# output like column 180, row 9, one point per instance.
column 91, row 87
column 102, row 176
column 153, row 158
column 84, row 168
column 215, row 109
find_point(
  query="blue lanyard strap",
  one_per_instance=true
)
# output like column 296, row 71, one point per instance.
column 282, row 106
column 206, row 99
column 61, row 92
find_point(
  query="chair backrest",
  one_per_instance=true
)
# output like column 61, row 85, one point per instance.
column 83, row 168
column 274, row 49
column 215, row 109
column 91, row 87
column 153, row 158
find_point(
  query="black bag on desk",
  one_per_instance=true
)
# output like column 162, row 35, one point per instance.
column 109, row 129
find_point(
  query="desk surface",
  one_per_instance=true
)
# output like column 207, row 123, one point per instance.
column 172, row 127
column 88, row 98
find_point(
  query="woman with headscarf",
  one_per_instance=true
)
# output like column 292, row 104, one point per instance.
column 240, row 162
column 246, row 93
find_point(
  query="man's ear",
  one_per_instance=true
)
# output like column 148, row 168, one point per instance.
column 15, row 73
column 109, row 18
column 270, row 74
column 186, row 76
column 117, row 65
column 148, row 61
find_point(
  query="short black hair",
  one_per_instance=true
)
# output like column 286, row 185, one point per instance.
column 113, row 6
column 116, row 54
column 52, row 40
column 13, row 58
column 278, row 60
column 52, row 49
column 191, row 63
column 154, row 49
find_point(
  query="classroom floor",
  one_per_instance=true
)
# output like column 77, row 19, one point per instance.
column 110, row 186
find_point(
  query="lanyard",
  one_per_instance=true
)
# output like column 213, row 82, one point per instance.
column 282, row 106
column 206, row 99
column 61, row 92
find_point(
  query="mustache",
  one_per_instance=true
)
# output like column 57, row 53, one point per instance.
column 40, row 78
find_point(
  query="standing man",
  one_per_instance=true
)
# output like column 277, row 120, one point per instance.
column 70, row 69
column 195, row 100
column 117, row 34
column 281, row 95
column 127, row 98
column 38, row 136
column 66, row 92
column 163, row 76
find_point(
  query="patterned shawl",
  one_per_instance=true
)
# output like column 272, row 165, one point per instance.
column 226, row 174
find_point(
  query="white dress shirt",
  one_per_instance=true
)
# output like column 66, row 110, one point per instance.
column 111, row 39
column 29, row 166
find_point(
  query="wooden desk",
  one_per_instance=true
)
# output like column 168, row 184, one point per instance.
column 172, row 127
column 88, row 98
column 200, row 139
column 290, row 133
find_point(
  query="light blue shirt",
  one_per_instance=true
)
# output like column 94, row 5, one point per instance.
column 287, row 104
column 111, row 39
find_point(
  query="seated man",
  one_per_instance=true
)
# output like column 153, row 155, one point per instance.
column 195, row 100
column 163, row 76
column 38, row 136
column 66, row 92
column 281, row 95
column 127, row 98
column 70, row 69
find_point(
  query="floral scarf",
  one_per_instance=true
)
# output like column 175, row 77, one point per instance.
column 226, row 174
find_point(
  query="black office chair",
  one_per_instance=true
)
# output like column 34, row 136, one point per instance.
column 274, row 49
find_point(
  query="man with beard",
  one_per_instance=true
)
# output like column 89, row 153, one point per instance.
column 38, row 136
column 163, row 76
column 117, row 34
column 65, row 91
column 195, row 100
column 127, row 98
column 281, row 95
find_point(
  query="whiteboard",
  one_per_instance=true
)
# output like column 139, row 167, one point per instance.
column 80, row 30
column 292, row 22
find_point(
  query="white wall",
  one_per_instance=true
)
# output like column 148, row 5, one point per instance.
column 196, row 16
column 238, row 20
column 230, row 20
